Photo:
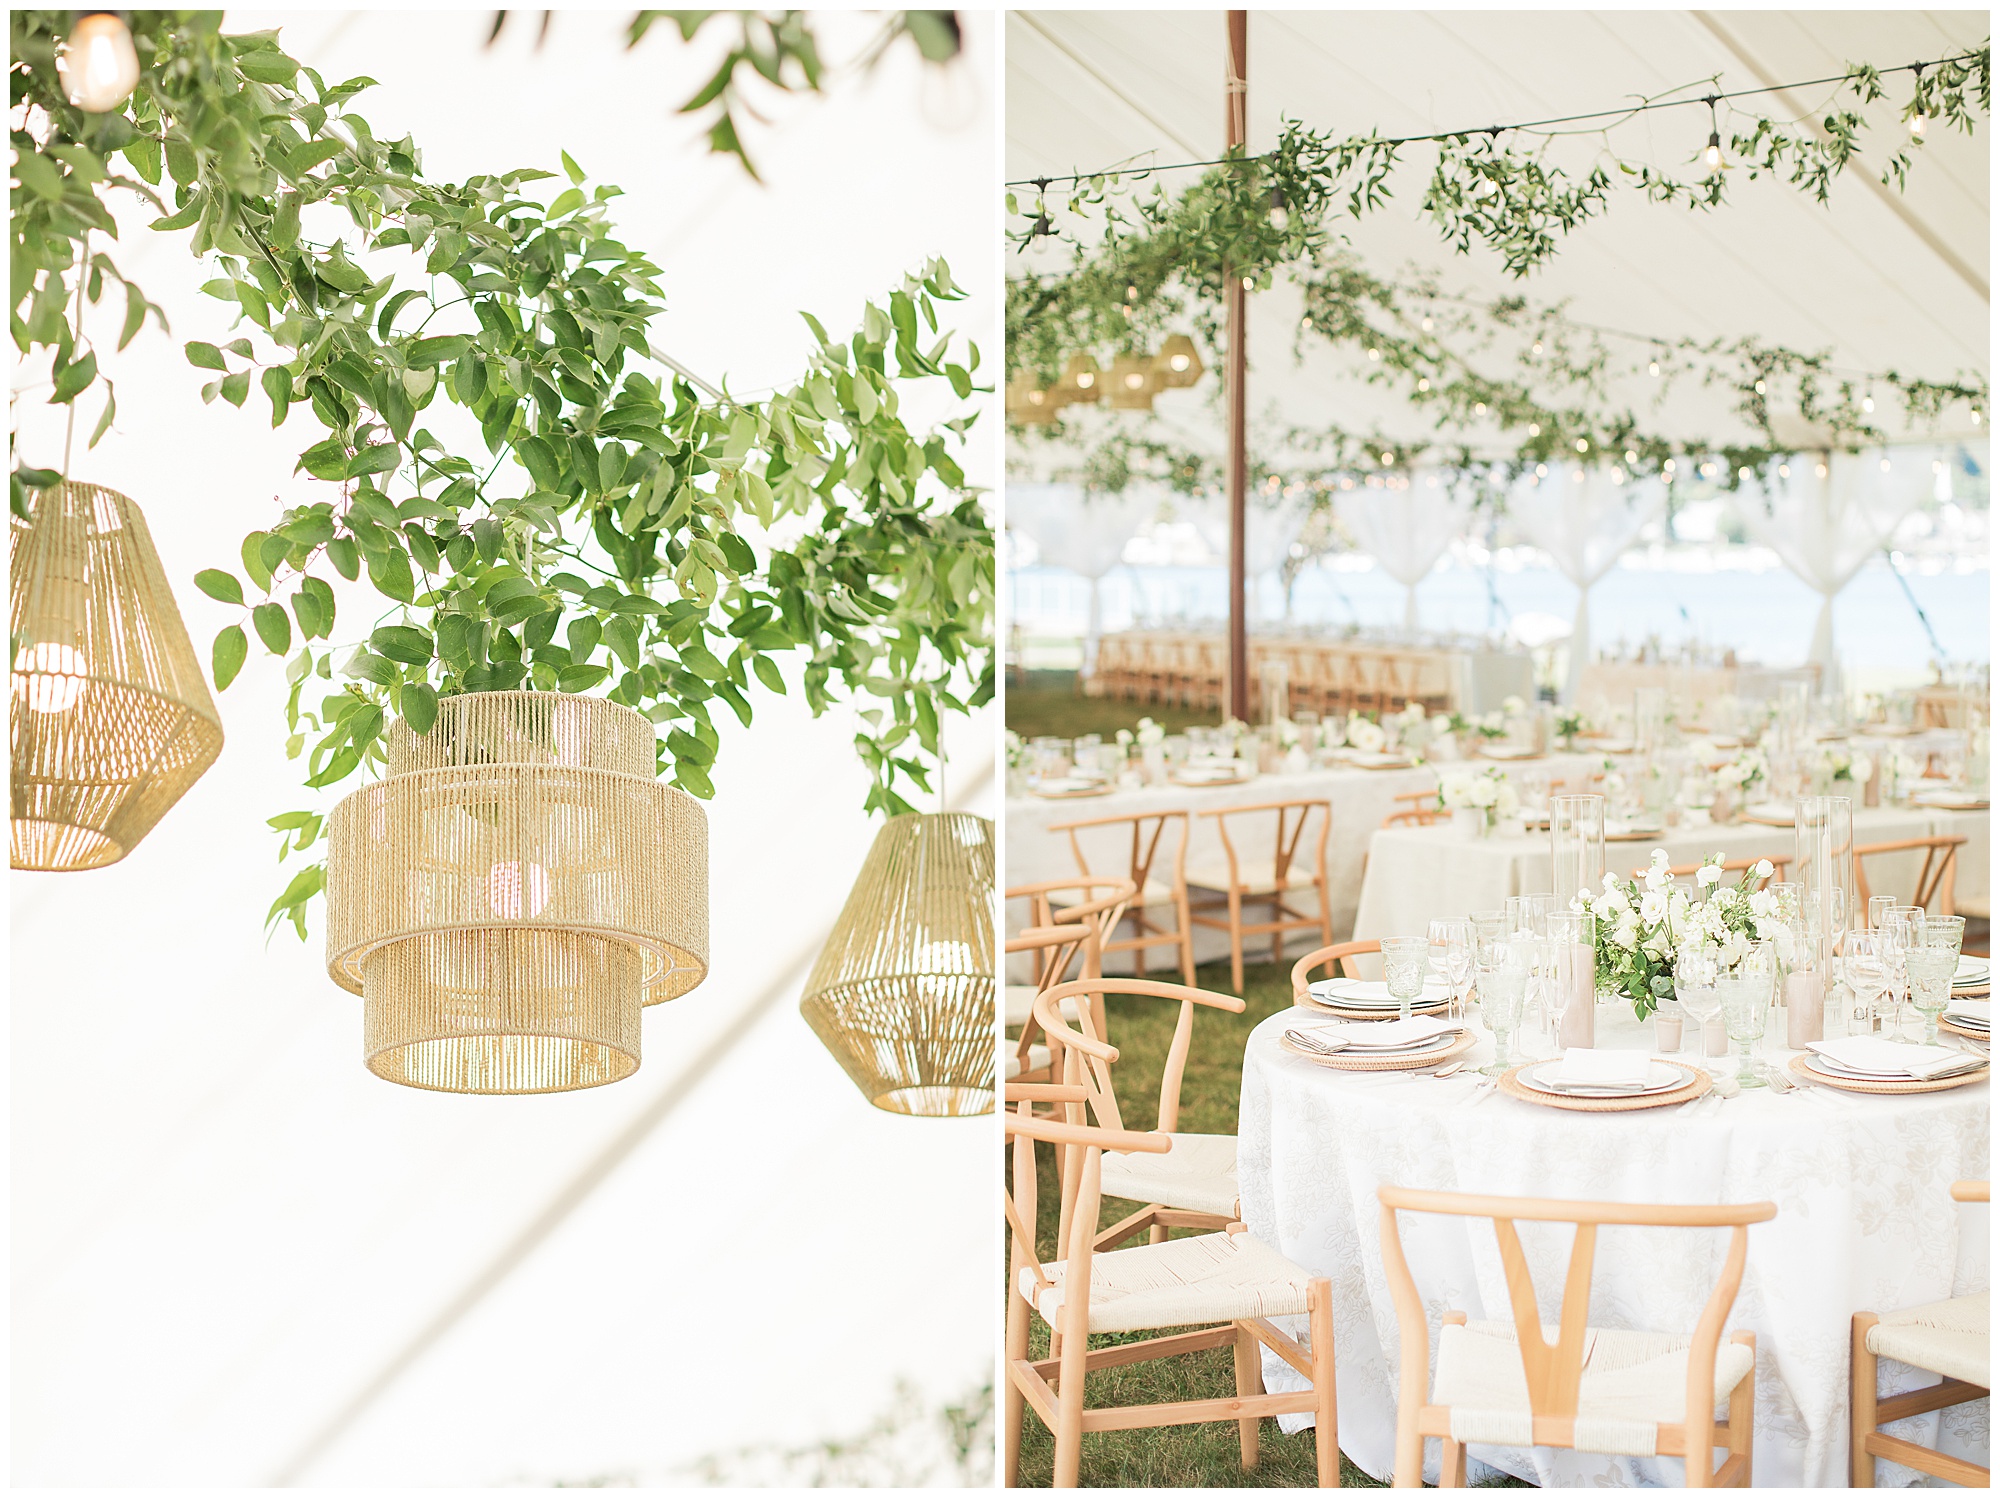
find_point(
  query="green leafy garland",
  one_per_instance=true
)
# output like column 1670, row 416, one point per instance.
column 1166, row 262
column 573, row 525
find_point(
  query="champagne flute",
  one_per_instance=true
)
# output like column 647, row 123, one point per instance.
column 1868, row 974
column 1451, row 958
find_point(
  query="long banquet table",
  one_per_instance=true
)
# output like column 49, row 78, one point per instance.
column 1359, row 800
column 1418, row 873
column 1865, row 1222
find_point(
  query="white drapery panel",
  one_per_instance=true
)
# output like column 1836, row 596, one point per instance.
column 1408, row 525
column 1584, row 518
column 1271, row 523
column 1825, row 516
column 1083, row 531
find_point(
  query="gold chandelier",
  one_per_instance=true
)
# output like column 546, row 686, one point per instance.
column 512, row 892
column 111, row 719
column 902, row 993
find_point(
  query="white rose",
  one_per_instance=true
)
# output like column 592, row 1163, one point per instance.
column 1124, row 737
column 1763, row 904
column 1653, row 906
column 1708, row 876
column 1626, row 933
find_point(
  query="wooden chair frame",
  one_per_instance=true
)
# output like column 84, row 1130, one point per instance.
column 1335, row 957
column 1935, row 880
column 1283, row 917
column 1093, row 1072
column 1866, row 1441
column 1054, row 1386
column 1093, row 921
column 1555, row 1373
column 1145, row 850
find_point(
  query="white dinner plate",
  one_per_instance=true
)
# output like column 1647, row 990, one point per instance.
column 1971, row 970
column 1380, row 761
column 1208, row 774
column 1950, row 800
column 1827, row 1066
column 1511, row 751
column 1771, row 813
column 1367, row 993
column 1660, row 1077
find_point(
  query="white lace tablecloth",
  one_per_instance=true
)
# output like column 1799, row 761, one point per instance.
column 1865, row 1222
column 1360, row 799
column 1416, row 874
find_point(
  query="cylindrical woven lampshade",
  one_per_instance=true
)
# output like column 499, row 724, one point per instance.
column 1178, row 364
column 1131, row 383
column 111, row 719
column 512, row 892
column 902, row 993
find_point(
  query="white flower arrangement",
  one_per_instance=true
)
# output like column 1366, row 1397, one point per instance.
column 1365, row 734
column 1487, row 791
column 1745, row 770
column 1644, row 925
column 1571, row 722
column 1332, row 732
column 1843, row 764
column 1288, row 734
column 1017, row 750
column 1514, row 707
column 1124, row 737
column 1151, row 732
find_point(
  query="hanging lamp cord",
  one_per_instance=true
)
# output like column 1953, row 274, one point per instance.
column 82, row 275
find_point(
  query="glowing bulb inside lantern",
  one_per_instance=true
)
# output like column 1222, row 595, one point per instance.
column 1868, row 403
column 52, row 677
column 1134, row 380
column 1178, row 363
column 1085, row 380
column 513, row 896
column 1916, row 124
column 97, row 63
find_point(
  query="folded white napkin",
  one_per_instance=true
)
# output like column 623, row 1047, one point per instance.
column 1611, row 1071
column 1376, row 1036
column 1890, row 1058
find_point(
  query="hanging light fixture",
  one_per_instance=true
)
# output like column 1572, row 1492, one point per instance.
column 1028, row 403
column 96, row 63
column 512, row 892
column 1179, row 365
column 1082, row 381
column 1131, row 383
column 111, row 719
column 903, row 992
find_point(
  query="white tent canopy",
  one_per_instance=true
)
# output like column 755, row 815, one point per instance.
column 1881, row 279
column 1084, row 531
column 1408, row 526
column 1826, row 515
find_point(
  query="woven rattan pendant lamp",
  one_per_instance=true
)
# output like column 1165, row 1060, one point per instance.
column 902, row 993
column 508, row 897
column 110, row 719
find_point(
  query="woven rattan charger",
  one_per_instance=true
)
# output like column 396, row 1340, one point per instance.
column 1421, row 1061
column 1798, row 1068
column 1966, row 1030
column 1698, row 1083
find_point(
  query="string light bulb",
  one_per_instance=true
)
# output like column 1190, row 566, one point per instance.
column 1784, row 470
column 1743, row 473
column 1583, row 444
column 1868, row 403
column 1534, row 429
column 1387, row 459
column 1712, row 153
column 1885, row 465
column 1427, row 325
column 1917, row 124
column 1760, row 387
column 1131, row 293
column 1537, row 347
column 1248, row 284
column 1653, row 368
column 1975, row 416
column 1374, row 354
column 1820, row 469
column 1668, row 466
column 1631, row 457
column 1424, row 384
column 97, row 63
column 1479, row 409
column 1541, row 470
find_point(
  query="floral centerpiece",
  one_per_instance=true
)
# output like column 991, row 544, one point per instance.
column 1835, row 763
column 1571, row 724
column 1645, row 924
column 1365, row 734
column 1151, row 733
column 1487, row 792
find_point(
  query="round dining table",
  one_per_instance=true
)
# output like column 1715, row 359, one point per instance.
column 1865, row 1222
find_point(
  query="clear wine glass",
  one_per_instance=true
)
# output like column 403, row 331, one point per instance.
column 1745, row 992
column 1501, row 990
column 1451, row 958
column 1869, row 977
column 1695, row 972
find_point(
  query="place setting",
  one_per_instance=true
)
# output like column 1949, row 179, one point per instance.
column 1071, row 787
column 1871, row 1063
column 1370, row 999
column 1209, row 773
column 1969, row 1018
column 1589, row 1080
column 1414, row 1044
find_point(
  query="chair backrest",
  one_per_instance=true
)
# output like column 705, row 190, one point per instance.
column 1292, row 818
column 1083, row 1145
column 1101, row 901
column 1415, row 816
column 1334, row 957
column 1088, row 1056
column 1555, row 1370
column 1147, row 828
column 1936, row 880
column 1972, row 1191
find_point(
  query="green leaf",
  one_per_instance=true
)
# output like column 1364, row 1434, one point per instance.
column 274, row 627
column 767, row 672
column 277, row 385
column 420, row 706
column 345, row 556
column 305, row 884
column 400, row 642
column 219, row 585
column 392, row 577
column 253, row 560
column 381, row 457
column 366, row 667
column 205, row 356
column 75, row 379
column 267, row 67
column 575, row 172
column 231, row 648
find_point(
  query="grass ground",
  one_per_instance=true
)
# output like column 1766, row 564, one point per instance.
column 1049, row 703
column 1186, row 1456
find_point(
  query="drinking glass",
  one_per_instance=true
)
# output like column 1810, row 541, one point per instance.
column 1568, row 973
column 1930, row 970
column 1869, row 977
column 1451, row 958
column 1488, row 928
column 1403, row 961
column 1791, row 900
column 1746, row 1008
column 1695, row 974
column 1945, row 931
column 1902, row 929
column 1501, row 991
column 1051, row 757
column 1576, row 844
column 1879, row 907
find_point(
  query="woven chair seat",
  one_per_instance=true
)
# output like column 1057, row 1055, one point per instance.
column 1633, row 1382
column 1038, row 1061
column 1947, row 1336
column 1197, row 1175
column 1257, row 878
column 1202, row 1281
column 1155, row 893
column 1021, row 1004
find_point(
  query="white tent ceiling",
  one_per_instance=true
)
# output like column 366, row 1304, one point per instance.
column 238, row 1257
column 1881, row 280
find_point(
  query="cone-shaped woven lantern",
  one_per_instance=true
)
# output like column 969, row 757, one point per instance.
column 1131, row 383
column 111, row 720
column 512, row 892
column 1178, row 364
column 902, row 994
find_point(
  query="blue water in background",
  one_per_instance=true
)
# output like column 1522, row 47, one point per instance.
column 1766, row 615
